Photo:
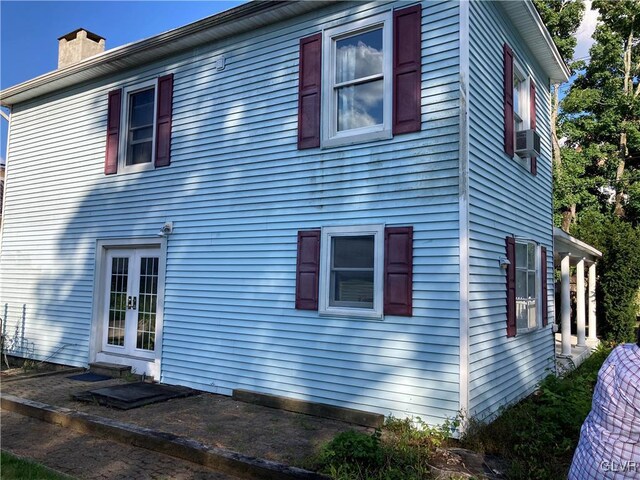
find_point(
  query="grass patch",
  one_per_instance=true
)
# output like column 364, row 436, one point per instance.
column 539, row 435
column 15, row 468
column 399, row 450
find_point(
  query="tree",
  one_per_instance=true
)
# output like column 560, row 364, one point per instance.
column 562, row 18
column 601, row 113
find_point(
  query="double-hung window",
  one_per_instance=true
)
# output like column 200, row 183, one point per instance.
column 139, row 120
column 521, row 106
column 351, row 272
column 357, row 91
column 527, row 281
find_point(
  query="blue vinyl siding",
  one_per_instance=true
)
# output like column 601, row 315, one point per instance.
column 505, row 199
column 238, row 191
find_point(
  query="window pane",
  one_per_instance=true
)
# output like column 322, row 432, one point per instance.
column 139, row 153
column 360, row 105
column 359, row 56
column 522, row 314
column 521, row 284
column 352, row 252
column 352, row 289
column 145, row 133
column 521, row 255
column 531, row 256
column 141, row 108
column 531, row 284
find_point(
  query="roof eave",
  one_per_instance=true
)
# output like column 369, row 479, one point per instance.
column 237, row 20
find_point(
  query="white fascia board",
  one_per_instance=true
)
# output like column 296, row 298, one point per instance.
column 527, row 21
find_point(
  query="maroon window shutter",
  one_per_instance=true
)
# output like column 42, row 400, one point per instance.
column 407, row 69
column 508, row 100
column 543, row 287
column 113, row 132
column 308, row 270
column 309, row 84
column 511, row 287
column 163, row 120
column 398, row 271
column 532, row 123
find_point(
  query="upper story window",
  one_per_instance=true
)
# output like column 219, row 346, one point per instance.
column 139, row 126
column 357, row 89
column 521, row 104
column 527, row 280
column 139, row 121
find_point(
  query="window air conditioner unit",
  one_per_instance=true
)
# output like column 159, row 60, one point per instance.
column 527, row 143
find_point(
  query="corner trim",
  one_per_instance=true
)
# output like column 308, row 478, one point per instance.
column 463, row 212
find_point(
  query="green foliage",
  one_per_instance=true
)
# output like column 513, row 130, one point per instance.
column 562, row 18
column 620, row 273
column 539, row 434
column 600, row 120
column 398, row 451
column 12, row 467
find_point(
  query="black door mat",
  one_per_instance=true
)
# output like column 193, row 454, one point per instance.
column 89, row 377
column 133, row 395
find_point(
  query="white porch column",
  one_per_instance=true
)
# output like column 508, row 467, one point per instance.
column 565, row 304
column 592, row 302
column 580, row 306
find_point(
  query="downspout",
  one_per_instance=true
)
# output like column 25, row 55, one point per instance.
column 463, row 217
column 6, row 171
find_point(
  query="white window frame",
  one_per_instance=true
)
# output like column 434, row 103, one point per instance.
column 524, row 100
column 124, row 127
column 538, row 280
column 325, row 271
column 330, row 136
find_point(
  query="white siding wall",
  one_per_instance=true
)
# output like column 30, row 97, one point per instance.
column 505, row 199
column 238, row 191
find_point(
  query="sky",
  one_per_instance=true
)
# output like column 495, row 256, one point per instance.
column 29, row 31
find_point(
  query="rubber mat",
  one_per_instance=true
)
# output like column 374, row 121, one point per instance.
column 133, row 395
column 89, row 377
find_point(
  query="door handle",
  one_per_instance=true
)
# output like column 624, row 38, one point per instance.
column 131, row 302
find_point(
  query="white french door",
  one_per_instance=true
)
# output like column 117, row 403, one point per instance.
column 130, row 307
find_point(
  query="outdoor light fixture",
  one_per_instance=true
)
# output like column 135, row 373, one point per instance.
column 167, row 229
column 504, row 262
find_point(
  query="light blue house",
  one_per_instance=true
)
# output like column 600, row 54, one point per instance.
column 322, row 201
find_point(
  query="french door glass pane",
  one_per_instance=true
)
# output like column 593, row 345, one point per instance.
column 118, row 300
column 147, row 301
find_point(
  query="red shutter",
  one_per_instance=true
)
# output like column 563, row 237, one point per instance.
column 543, row 287
column 113, row 132
column 511, row 287
column 163, row 120
column 309, row 84
column 532, row 123
column 398, row 270
column 307, row 270
column 508, row 100
column 407, row 69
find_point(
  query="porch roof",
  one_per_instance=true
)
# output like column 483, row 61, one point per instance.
column 564, row 243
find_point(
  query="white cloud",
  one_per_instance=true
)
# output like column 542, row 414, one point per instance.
column 585, row 31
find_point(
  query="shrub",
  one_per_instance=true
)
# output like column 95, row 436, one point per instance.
column 398, row 451
column 538, row 435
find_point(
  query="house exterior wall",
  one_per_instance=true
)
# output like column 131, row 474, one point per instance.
column 504, row 199
column 237, row 192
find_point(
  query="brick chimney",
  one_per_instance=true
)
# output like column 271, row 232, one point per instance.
column 78, row 45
